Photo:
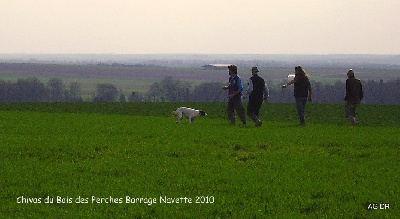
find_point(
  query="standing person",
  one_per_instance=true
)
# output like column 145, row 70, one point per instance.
column 354, row 95
column 235, row 89
column 302, row 92
column 258, row 93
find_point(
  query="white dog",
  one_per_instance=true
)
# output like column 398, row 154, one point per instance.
column 190, row 113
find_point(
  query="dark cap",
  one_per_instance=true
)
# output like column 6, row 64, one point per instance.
column 350, row 73
column 254, row 69
column 233, row 68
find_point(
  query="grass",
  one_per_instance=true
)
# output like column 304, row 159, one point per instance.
column 327, row 169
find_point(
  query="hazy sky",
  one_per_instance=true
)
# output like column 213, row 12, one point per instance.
column 200, row 26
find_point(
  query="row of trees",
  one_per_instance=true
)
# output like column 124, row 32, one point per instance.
column 33, row 90
column 375, row 92
column 170, row 90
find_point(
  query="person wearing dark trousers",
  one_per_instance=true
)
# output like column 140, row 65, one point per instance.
column 235, row 89
column 258, row 93
column 354, row 95
column 302, row 92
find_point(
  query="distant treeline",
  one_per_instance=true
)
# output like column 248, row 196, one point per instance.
column 33, row 90
column 171, row 90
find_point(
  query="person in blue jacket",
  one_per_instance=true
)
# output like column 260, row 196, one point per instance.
column 235, row 89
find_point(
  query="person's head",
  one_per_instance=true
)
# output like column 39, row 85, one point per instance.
column 232, row 69
column 254, row 70
column 350, row 73
column 298, row 70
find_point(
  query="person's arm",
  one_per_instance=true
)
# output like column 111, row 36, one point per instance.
column 240, row 85
column 290, row 83
column 266, row 92
column 249, row 87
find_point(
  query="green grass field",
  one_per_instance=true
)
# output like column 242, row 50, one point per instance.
column 132, row 160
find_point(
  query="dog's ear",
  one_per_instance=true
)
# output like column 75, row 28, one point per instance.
column 202, row 113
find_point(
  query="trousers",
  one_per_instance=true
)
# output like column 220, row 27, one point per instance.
column 235, row 104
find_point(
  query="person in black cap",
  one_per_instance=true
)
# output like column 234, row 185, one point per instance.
column 354, row 95
column 235, row 89
column 258, row 93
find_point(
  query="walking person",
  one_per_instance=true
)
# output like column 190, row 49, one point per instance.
column 258, row 93
column 235, row 89
column 302, row 92
column 354, row 95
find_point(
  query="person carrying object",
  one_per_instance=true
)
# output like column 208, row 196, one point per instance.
column 302, row 92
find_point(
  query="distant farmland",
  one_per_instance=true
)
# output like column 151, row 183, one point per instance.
column 127, row 78
column 138, row 78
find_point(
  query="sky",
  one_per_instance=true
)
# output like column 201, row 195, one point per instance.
column 200, row 26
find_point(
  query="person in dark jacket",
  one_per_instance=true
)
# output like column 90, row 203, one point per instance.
column 235, row 89
column 354, row 95
column 302, row 92
column 258, row 93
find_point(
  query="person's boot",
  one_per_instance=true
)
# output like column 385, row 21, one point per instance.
column 231, row 117
column 242, row 118
column 302, row 121
column 256, row 120
column 353, row 120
